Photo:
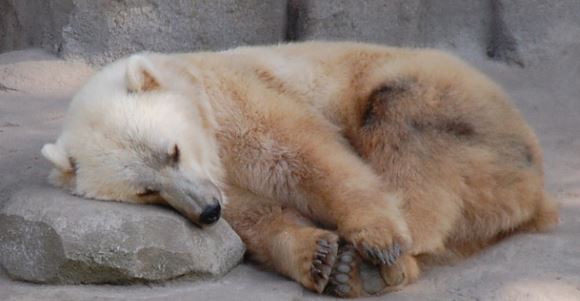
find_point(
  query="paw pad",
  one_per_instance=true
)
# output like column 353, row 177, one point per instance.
column 344, row 280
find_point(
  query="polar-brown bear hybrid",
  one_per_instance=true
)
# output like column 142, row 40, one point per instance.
column 327, row 153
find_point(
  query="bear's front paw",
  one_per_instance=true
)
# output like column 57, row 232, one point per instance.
column 378, row 240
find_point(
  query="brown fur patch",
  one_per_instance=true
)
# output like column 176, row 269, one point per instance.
column 457, row 128
column 379, row 100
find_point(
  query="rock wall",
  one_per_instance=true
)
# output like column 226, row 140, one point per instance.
column 100, row 31
column 512, row 31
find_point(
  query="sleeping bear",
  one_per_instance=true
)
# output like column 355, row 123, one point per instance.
column 320, row 155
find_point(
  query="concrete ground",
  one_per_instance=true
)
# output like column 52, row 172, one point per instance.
column 35, row 89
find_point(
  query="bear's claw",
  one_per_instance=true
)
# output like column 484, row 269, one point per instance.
column 384, row 257
column 324, row 259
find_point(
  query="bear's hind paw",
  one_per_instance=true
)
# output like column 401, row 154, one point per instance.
column 344, row 280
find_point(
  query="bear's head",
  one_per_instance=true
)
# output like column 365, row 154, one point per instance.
column 142, row 131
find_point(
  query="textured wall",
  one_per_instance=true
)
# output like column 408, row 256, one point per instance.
column 102, row 30
column 513, row 31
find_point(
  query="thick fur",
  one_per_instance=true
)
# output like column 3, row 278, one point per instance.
column 389, row 149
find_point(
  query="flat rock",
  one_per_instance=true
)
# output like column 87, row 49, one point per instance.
column 49, row 236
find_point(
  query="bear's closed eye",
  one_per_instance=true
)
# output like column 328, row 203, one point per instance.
column 147, row 192
column 174, row 155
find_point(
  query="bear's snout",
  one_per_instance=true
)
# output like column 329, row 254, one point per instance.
column 210, row 214
column 196, row 199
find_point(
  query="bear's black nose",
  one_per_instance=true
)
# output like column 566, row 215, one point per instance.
column 210, row 214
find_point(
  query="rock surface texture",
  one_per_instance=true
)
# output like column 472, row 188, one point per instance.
column 503, row 30
column 399, row 22
column 50, row 236
column 511, row 31
column 101, row 31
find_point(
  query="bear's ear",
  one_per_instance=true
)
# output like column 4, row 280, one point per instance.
column 58, row 157
column 141, row 75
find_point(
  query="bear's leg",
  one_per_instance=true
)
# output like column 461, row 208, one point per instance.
column 303, row 160
column 282, row 239
column 468, row 167
column 287, row 242
column 336, row 188
column 519, row 207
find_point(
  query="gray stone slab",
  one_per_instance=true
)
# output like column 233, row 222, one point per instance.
column 50, row 236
